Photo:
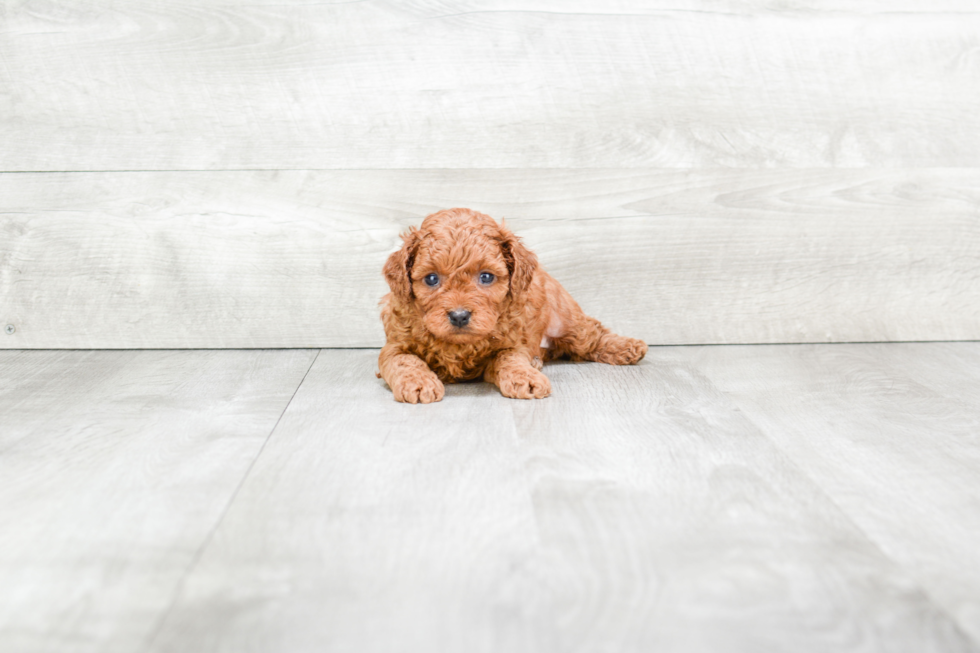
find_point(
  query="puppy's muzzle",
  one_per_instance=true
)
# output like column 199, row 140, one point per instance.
column 459, row 318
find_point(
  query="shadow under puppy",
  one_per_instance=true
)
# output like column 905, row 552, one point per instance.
column 468, row 300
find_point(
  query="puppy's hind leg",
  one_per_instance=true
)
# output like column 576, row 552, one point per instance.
column 586, row 339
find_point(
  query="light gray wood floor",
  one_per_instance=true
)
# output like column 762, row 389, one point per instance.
column 738, row 498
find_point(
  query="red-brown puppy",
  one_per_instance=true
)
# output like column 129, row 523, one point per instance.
column 469, row 300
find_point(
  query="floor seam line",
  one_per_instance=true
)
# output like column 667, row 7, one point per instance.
column 158, row 628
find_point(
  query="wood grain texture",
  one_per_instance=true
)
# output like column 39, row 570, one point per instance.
column 369, row 526
column 891, row 435
column 114, row 468
column 669, row 522
column 293, row 259
column 634, row 510
column 152, row 85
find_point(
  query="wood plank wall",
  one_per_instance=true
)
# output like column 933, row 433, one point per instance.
column 222, row 174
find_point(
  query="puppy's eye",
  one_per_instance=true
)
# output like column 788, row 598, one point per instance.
column 431, row 279
column 486, row 278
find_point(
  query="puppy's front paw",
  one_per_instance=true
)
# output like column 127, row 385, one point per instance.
column 524, row 383
column 415, row 387
column 620, row 350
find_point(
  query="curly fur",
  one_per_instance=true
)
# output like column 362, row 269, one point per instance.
column 519, row 320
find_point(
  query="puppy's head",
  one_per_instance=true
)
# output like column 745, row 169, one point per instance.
column 461, row 270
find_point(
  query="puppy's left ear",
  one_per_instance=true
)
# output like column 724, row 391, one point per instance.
column 398, row 268
column 521, row 262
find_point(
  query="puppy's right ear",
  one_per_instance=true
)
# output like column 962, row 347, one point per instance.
column 521, row 262
column 398, row 268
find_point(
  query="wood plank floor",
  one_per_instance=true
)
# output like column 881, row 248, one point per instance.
column 738, row 498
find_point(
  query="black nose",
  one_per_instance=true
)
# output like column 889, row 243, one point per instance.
column 459, row 317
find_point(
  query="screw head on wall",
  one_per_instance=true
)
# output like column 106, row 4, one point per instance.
column 9, row 329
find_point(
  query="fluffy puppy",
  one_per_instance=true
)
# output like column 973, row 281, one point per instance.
column 468, row 300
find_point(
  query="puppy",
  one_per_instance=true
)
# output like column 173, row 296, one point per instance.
column 468, row 300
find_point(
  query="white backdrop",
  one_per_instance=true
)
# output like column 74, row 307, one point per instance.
column 211, row 174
